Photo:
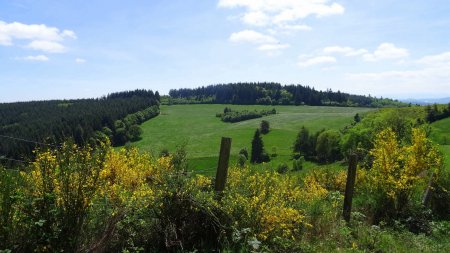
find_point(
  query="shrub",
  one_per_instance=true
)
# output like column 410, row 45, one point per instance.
column 264, row 127
column 282, row 168
column 297, row 164
column 244, row 152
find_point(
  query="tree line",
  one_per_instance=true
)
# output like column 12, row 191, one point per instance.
column 434, row 113
column 232, row 116
column 269, row 93
column 115, row 116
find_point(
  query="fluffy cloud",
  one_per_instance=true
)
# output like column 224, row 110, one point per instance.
column 346, row 51
column 278, row 17
column 41, row 37
column 264, row 12
column 46, row 46
column 273, row 47
column 34, row 58
column 308, row 62
column 386, row 51
column 442, row 59
column 252, row 37
column 431, row 70
column 80, row 60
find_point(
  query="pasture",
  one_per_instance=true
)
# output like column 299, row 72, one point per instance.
column 197, row 127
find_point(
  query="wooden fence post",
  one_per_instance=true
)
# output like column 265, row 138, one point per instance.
column 222, row 167
column 428, row 191
column 349, row 187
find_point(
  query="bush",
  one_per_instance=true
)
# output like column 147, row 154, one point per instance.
column 264, row 127
column 282, row 168
column 327, row 147
column 297, row 164
column 236, row 116
column 244, row 152
column 242, row 159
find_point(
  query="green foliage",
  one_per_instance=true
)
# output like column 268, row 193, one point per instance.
column 273, row 93
column 327, row 147
column 237, row 116
column 264, row 127
column 440, row 196
column 164, row 152
column 203, row 132
column 257, row 148
column 56, row 120
column 282, row 168
column 297, row 164
column 128, row 129
column 242, row 159
column 302, row 144
column 244, row 152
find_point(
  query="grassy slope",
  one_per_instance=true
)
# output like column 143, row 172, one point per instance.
column 440, row 133
column 197, row 126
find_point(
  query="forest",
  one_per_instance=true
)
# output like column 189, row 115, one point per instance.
column 266, row 93
column 50, row 123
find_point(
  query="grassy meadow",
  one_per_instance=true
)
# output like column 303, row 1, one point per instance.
column 200, row 130
column 440, row 133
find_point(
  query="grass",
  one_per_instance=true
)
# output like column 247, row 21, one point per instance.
column 440, row 133
column 197, row 127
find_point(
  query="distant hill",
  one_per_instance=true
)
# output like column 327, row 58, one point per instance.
column 268, row 93
column 427, row 101
column 26, row 125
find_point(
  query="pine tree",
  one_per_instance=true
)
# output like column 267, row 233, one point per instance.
column 302, row 143
column 257, row 148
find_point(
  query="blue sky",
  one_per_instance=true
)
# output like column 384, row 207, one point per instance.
column 72, row 49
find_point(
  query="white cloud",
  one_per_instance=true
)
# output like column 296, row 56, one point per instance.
column 69, row 33
column 46, row 46
column 436, row 60
column 429, row 71
column 80, row 60
column 42, row 37
column 252, row 37
column 346, row 51
column 308, row 62
column 272, row 47
column 286, row 10
column 281, row 16
column 295, row 27
column 256, row 18
column 386, row 51
column 34, row 58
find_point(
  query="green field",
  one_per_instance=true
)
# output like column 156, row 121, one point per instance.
column 440, row 133
column 198, row 128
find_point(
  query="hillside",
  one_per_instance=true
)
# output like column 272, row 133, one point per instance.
column 26, row 125
column 268, row 93
column 197, row 126
column 440, row 133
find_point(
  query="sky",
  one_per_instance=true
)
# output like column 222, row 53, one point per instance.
column 61, row 49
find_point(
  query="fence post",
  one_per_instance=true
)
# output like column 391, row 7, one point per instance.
column 222, row 167
column 427, row 194
column 349, row 187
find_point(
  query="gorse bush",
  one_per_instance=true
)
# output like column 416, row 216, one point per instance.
column 74, row 199
column 395, row 182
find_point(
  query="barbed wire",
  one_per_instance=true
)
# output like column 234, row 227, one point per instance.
column 29, row 141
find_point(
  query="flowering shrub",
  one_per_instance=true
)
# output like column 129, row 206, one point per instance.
column 266, row 202
column 105, row 200
column 398, row 174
